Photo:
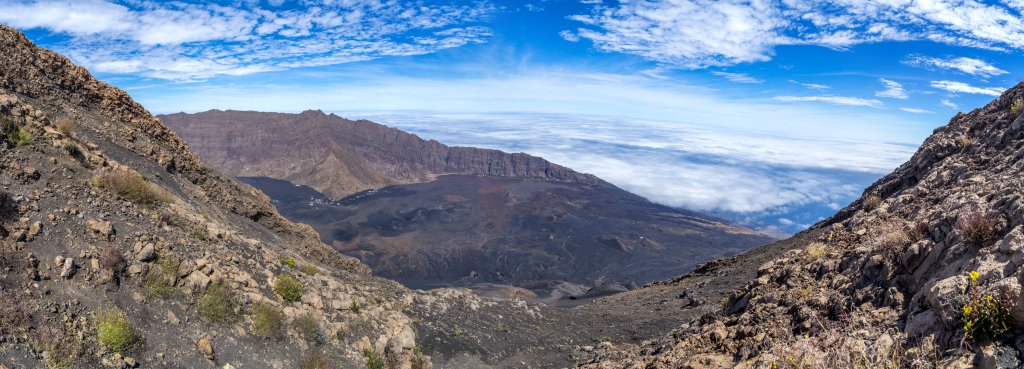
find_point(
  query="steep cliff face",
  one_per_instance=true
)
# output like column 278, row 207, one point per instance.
column 924, row 270
column 121, row 248
column 339, row 157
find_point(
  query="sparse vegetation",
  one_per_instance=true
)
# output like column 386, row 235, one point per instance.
column 374, row 360
column 816, row 250
column 267, row 321
column 73, row 150
column 111, row 258
column 419, row 360
column 157, row 283
column 978, row 227
column 290, row 262
column 62, row 351
column 963, row 141
column 871, row 202
column 309, row 269
column 317, row 360
column 14, row 135
column 114, row 332
column 13, row 317
column 132, row 187
column 1017, row 106
column 307, row 327
column 65, row 126
column 289, row 288
column 356, row 307
column 984, row 316
column 218, row 303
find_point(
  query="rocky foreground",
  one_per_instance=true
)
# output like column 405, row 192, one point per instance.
column 923, row 271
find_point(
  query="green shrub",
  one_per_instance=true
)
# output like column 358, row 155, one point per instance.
column 267, row 321
column 158, row 283
column 132, row 187
column 308, row 328
column 290, row 262
column 374, row 360
column 218, row 303
column 317, row 360
column 289, row 288
column 114, row 332
column 985, row 317
column 356, row 307
column 14, row 135
column 309, row 269
column 1017, row 106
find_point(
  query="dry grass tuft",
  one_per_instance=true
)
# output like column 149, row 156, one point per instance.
column 978, row 227
column 132, row 187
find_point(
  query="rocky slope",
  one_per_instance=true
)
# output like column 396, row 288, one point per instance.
column 121, row 248
column 500, row 235
column 924, row 270
column 339, row 157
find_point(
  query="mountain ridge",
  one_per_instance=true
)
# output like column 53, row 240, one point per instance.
column 341, row 156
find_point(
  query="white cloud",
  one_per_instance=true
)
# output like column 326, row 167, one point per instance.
column 893, row 90
column 182, row 41
column 701, row 33
column 916, row 110
column 960, row 87
column 737, row 77
column 813, row 86
column 569, row 36
column 838, row 100
column 949, row 104
column 974, row 67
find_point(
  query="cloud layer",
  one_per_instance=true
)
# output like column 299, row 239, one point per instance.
column 701, row 33
column 182, row 41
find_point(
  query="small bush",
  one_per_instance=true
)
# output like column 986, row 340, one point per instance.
column 1017, row 106
column 290, row 262
column 816, row 250
column 65, row 126
column 63, row 351
column 978, row 227
column 308, row 328
column 14, row 135
column 157, row 283
column 218, row 303
column 419, row 360
column 309, row 269
column 871, row 202
column 267, row 321
column 132, row 187
column 111, row 258
column 114, row 332
column 356, row 307
column 317, row 360
column 963, row 141
column 985, row 317
column 289, row 288
column 374, row 360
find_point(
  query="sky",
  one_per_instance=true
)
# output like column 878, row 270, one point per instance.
column 772, row 113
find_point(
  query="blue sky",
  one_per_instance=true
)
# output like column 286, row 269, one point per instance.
column 775, row 113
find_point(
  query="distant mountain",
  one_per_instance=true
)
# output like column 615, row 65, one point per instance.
column 430, row 215
column 339, row 157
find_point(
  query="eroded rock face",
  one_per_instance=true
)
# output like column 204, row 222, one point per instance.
column 891, row 273
column 198, row 231
column 339, row 157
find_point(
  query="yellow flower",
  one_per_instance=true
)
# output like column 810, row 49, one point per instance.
column 967, row 309
column 974, row 275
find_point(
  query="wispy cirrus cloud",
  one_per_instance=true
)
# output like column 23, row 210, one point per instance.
column 916, row 110
column 813, row 86
column 974, row 67
column 182, row 41
column 893, row 90
column 701, row 33
column 960, row 87
column 949, row 104
column 838, row 100
column 737, row 77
